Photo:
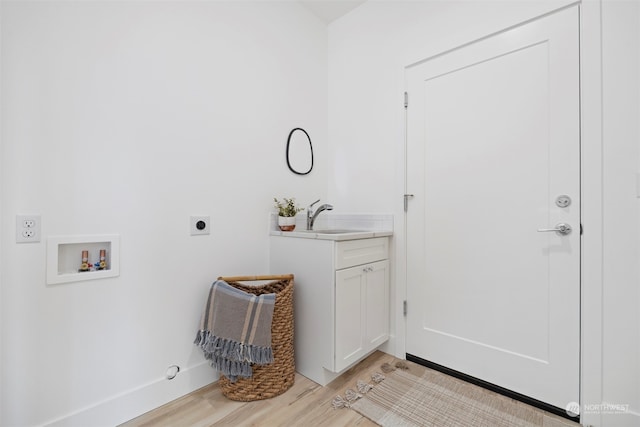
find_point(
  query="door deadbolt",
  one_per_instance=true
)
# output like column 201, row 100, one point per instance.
column 563, row 201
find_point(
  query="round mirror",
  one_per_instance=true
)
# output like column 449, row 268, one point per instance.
column 299, row 152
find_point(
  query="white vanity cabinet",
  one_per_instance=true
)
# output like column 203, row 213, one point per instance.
column 361, row 311
column 341, row 300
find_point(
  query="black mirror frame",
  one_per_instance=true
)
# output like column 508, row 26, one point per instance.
column 310, row 148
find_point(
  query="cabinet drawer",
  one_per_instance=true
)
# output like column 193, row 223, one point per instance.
column 356, row 252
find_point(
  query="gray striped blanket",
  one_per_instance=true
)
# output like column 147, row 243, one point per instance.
column 235, row 330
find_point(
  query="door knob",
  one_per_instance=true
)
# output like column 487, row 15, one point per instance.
column 561, row 228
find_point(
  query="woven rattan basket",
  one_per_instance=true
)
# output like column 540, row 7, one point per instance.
column 275, row 378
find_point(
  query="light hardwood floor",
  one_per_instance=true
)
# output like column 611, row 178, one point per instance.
column 304, row 404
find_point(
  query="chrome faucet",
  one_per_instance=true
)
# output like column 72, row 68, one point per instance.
column 311, row 216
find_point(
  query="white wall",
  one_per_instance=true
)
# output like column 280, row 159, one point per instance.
column 1, row 212
column 368, row 50
column 621, row 213
column 127, row 117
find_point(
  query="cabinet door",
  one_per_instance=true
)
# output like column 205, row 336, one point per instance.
column 350, row 316
column 377, row 304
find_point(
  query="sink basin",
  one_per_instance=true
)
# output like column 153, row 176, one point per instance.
column 333, row 231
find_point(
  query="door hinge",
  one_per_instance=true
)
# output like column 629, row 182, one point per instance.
column 404, row 307
column 406, row 100
column 581, row 229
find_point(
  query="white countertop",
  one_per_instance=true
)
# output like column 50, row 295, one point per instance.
column 349, row 226
column 343, row 235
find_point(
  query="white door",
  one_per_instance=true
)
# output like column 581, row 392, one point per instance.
column 492, row 141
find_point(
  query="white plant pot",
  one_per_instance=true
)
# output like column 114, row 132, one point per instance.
column 287, row 223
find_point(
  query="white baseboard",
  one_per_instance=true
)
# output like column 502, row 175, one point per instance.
column 135, row 402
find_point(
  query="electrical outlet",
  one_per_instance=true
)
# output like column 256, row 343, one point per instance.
column 27, row 228
column 200, row 225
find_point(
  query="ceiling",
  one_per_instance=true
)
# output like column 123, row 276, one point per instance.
column 330, row 10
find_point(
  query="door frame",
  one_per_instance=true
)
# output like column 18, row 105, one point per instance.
column 591, row 266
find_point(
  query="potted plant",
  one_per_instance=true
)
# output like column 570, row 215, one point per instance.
column 287, row 211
